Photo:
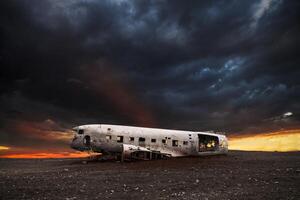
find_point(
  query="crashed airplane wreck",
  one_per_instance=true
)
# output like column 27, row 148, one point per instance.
column 139, row 143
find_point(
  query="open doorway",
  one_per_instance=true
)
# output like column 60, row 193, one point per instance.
column 208, row 143
column 87, row 141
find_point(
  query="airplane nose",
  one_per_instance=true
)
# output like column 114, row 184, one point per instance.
column 81, row 144
column 75, row 144
column 72, row 143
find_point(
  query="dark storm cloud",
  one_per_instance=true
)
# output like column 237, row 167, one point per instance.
column 225, row 65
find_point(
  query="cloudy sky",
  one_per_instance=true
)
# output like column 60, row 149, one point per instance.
column 229, row 66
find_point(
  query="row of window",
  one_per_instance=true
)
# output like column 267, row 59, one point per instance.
column 120, row 139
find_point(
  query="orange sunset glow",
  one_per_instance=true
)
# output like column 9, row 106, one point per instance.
column 47, row 155
column 281, row 141
column 19, row 152
column 4, row 148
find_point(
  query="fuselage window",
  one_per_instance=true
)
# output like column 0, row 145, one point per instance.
column 185, row 142
column 164, row 141
column 131, row 139
column 120, row 139
column 175, row 143
column 108, row 137
column 153, row 140
column 141, row 139
column 80, row 131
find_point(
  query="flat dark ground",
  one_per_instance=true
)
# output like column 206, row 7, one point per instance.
column 239, row 175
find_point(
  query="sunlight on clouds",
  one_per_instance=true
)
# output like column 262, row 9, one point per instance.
column 281, row 141
column 262, row 8
column 46, row 130
column 4, row 148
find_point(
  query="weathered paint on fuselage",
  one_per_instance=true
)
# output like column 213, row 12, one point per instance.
column 99, row 140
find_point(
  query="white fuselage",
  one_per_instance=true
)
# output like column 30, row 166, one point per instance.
column 111, row 139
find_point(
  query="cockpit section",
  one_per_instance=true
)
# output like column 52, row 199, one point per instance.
column 81, row 140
